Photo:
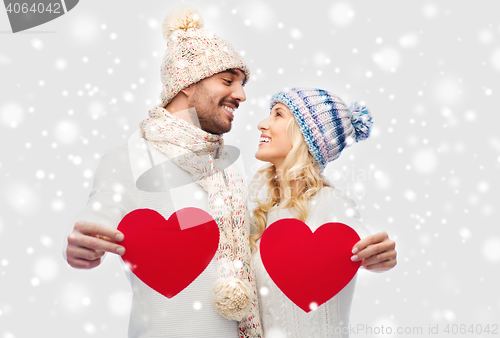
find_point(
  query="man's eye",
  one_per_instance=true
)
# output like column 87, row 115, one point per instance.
column 228, row 81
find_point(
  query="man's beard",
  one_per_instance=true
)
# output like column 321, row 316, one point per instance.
column 209, row 112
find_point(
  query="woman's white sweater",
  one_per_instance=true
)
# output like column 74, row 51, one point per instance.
column 280, row 316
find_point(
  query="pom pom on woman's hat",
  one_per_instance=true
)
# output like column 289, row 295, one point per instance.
column 362, row 121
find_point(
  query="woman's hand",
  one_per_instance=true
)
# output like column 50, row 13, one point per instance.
column 376, row 252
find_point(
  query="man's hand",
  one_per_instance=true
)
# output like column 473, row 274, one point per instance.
column 88, row 242
column 376, row 252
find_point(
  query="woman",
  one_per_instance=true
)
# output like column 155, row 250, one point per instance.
column 306, row 129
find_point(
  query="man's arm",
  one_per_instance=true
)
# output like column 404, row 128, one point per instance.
column 114, row 194
column 88, row 242
column 376, row 252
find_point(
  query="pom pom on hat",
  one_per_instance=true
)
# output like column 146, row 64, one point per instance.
column 183, row 17
column 362, row 121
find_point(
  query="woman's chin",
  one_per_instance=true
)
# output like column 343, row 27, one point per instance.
column 260, row 157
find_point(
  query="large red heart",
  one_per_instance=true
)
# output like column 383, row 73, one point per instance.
column 309, row 267
column 169, row 254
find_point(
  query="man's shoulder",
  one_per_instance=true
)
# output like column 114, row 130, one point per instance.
column 124, row 152
column 134, row 143
column 118, row 153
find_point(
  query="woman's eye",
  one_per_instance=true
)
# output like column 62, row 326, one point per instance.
column 228, row 81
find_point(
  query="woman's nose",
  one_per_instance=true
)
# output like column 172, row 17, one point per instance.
column 263, row 125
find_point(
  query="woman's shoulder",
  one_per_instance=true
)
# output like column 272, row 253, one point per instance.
column 332, row 197
column 330, row 204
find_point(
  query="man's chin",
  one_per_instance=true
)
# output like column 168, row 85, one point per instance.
column 227, row 127
column 220, row 130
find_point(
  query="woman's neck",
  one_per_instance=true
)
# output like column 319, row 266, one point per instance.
column 293, row 185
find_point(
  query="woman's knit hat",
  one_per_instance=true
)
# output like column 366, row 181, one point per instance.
column 327, row 124
column 193, row 53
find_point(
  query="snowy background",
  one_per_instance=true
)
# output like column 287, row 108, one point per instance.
column 429, row 71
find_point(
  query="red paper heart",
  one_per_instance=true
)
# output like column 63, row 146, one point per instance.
column 309, row 267
column 169, row 254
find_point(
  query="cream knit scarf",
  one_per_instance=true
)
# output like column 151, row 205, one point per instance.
column 201, row 154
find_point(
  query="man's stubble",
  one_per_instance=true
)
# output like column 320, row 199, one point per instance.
column 209, row 111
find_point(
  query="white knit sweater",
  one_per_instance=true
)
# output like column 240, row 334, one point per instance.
column 280, row 317
column 134, row 176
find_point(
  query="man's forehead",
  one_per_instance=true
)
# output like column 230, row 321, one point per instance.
column 234, row 71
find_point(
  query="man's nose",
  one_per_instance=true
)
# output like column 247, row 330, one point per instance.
column 239, row 93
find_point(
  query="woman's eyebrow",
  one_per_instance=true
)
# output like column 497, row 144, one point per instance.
column 281, row 110
column 274, row 111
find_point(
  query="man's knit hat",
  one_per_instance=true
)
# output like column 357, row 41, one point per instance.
column 193, row 53
column 327, row 124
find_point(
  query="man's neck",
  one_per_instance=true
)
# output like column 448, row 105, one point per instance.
column 189, row 115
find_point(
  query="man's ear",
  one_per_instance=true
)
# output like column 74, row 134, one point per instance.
column 189, row 90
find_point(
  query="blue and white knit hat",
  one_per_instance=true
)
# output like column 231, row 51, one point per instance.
column 327, row 124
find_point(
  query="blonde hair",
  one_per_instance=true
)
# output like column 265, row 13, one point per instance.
column 301, row 179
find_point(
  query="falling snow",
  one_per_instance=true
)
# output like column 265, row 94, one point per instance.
column 409, row 40
column 12, row 114
column 341, row 14
column 430, row 11
column 495, row 58
column 296, row 33
column 37, row 44
column 119, row 303
column 259, row 15
column 66, row 132
column 491, row 250
column 425, row 161
column 84, row 29
column 388, row 59
column 46, row 268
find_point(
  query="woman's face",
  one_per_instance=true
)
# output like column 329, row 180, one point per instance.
column 274, row 144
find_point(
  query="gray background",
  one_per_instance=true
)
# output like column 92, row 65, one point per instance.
column 429, row 71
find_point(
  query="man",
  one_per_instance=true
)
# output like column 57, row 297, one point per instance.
column 178, row 153
column 176, row 161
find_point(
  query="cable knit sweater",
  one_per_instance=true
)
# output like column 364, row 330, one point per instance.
column 280, row 317
column 134, row 176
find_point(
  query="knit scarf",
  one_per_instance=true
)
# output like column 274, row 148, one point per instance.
column 201, row 154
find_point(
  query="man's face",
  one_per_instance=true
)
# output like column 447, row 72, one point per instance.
column 215, row 99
